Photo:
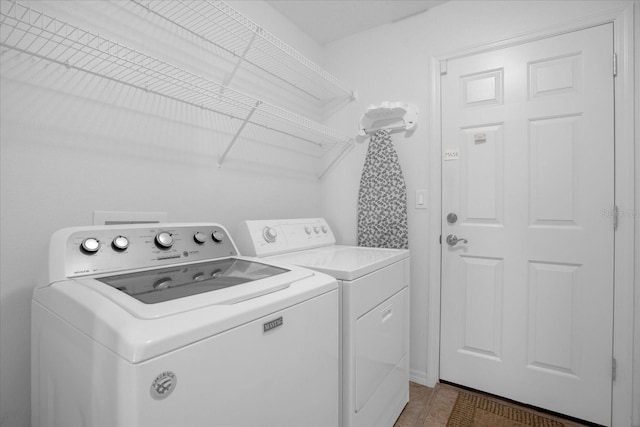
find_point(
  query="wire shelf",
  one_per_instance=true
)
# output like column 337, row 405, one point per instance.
column 221, row 25
column 29, row 31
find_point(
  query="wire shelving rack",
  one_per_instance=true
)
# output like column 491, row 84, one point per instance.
column 26, row 30
column 221, row 25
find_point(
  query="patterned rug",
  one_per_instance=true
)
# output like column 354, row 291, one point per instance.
column 472, row 410
column 448, row 406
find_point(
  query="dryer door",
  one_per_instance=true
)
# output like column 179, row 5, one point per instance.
column 380, row 344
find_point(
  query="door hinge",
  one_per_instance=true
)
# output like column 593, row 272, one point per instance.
column 616, row 215
column 615, row 64
column 443, row 67
column 440, row 239
column 614, row 368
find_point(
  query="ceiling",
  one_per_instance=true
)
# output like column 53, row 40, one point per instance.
column 328, row 20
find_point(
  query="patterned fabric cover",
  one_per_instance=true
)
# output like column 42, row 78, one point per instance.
column 382, row 199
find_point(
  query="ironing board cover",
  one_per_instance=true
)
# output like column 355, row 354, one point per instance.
column 382, row 198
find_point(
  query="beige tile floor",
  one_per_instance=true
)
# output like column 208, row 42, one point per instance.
column 425, row 411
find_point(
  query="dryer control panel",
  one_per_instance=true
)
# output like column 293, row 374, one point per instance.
column 276, row 236
column 96, row 250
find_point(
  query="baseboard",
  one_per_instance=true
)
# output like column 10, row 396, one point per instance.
column 419, row 377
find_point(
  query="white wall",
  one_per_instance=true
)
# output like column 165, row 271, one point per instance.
column 391, row 63
column 72, row 143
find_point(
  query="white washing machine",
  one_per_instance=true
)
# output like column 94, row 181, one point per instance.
column 374, row 287
column 165, row 325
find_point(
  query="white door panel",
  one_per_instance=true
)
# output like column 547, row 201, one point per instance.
column 527, row 300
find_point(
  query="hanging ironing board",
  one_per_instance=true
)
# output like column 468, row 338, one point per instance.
column 382, row 198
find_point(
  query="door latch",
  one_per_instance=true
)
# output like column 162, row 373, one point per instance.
column 452, row 240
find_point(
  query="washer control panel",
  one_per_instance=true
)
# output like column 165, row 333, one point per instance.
column 272, row 237
column 106, row 249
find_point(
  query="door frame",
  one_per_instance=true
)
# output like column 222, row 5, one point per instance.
column 625, row 387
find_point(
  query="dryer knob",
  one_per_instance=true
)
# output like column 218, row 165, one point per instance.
column 270, row 234
column 90, row 245
column 164, row 239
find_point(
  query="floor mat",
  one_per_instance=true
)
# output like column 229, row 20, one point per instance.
column 450, row 406
column 472, row 410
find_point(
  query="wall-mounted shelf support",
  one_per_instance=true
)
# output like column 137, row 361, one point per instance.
column 241, row 58
column 238, row 132
column 345, row 149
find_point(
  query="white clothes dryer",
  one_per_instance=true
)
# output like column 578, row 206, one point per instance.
column 374, row 289
column 166, row 325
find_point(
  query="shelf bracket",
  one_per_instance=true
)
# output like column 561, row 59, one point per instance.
column 342, row 153
column 231, row 75
column 240, row 129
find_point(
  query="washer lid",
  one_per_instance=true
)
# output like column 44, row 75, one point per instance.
column 343, row 262
column 166, row 284
column 178, row 289
column 138, row 331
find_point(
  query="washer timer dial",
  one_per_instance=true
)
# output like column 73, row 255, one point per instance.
column 164, row 239
column 90, row 245
column 200, row 237
column 217, row 236
column 120, row 243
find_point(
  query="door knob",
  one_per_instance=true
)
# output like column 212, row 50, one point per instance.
column 452, row 240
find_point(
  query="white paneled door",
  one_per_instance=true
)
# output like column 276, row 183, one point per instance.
column 527, row 191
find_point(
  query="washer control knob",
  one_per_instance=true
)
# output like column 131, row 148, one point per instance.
column 316, row 230
column 164, row 239
column 217, row 236
column 307, row 229
column 270, row 234
column 120, row 243
column 200, row 237
column 90, row 245
column 324, row 229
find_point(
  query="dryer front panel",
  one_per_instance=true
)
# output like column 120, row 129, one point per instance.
column 380, row 345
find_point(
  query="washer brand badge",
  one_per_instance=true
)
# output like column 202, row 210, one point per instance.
column 163, row 385
column 272, row 324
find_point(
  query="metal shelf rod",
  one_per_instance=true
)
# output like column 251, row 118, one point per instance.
column 239, row 61
column 238, row 132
